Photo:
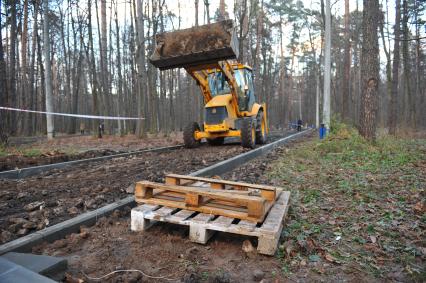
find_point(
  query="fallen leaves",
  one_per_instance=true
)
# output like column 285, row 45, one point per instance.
column 329, row 257
column 365, row 215
column 420, row 207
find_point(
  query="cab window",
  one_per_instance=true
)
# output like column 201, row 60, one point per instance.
column 218, row 84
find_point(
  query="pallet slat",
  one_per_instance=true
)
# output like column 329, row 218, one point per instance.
column 201, row 197
column 171, row 177
column 202, row 226
column 223, row 221
column 181, row 216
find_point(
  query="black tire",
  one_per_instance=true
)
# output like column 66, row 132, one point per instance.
column 248, row 133
column 261, row 136
column 188, row 135
column 216, row 141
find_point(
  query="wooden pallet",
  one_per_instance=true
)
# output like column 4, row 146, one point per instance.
column 202, row 226
column 210, row 196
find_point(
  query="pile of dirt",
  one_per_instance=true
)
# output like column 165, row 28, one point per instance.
column 196, row 45
column 195, row 39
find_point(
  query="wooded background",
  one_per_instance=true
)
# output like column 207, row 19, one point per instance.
column 100, row 66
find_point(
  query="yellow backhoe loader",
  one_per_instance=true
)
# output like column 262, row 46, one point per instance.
column 207, row 52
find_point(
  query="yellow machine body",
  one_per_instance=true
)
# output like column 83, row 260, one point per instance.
column 207, row 52
column 238, row 79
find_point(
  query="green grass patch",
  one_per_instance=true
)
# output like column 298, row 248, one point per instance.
column 32, row 152
column 354, row 198
column 3, row 151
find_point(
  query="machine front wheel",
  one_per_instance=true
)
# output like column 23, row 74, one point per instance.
column 189, row 135
column 248, row 133
column 261, row 128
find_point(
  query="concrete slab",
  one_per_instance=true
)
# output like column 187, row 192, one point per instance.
column 231, row 163
column 52, row 267
column 12, row 272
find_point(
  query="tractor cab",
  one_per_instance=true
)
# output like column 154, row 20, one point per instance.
column 218, row 85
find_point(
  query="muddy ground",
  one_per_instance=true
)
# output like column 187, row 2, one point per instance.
column 165, row 250
column 324, row 239
column 15, row 161
column 39, row 151
column 33, row 203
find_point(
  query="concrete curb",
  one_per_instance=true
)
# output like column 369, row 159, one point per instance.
column 231, row 163
column 31, row 171
column 60, row 230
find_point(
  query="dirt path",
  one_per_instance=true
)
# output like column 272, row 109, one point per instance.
column 82, row 147
column 166, row 250
column 310, row 250
column 41, row 152
column 65, row 193
column 31, row 204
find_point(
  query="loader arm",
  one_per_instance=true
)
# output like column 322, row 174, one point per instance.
column 228, row 71
column 200, row 72
column 200, row 76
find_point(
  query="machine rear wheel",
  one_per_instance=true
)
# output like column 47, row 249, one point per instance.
column 216, row 141
column 188, row 135
column 261, row 128
column 248, row 133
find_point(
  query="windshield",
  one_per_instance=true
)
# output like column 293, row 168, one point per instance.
column 218, row 84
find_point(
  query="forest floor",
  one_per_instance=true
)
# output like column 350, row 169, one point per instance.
column 26, row 152
column 357, row 214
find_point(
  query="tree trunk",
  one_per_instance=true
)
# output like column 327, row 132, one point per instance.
column 94, row 81
column 3, row 88
column 256, row 57
column 347, row 65
column 48, row 70
column 207, row 4
column 12, row 69
column 327, row 66
column 410, row 108
column 104, row 65
column 392, row 116
column 142, row 74
column 31, row 122
column 388, row 62
column 370, row 70
column 120, row 76
column 23, row 82
column 196, row 13
column 418, row 24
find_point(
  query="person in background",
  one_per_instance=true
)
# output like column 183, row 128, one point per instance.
column 299, row 125
column 82, row 126
column 100, row 130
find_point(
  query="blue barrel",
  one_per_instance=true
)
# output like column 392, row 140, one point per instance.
column 322, row 131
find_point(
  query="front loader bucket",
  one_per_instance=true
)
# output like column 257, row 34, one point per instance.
column 195, row 46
